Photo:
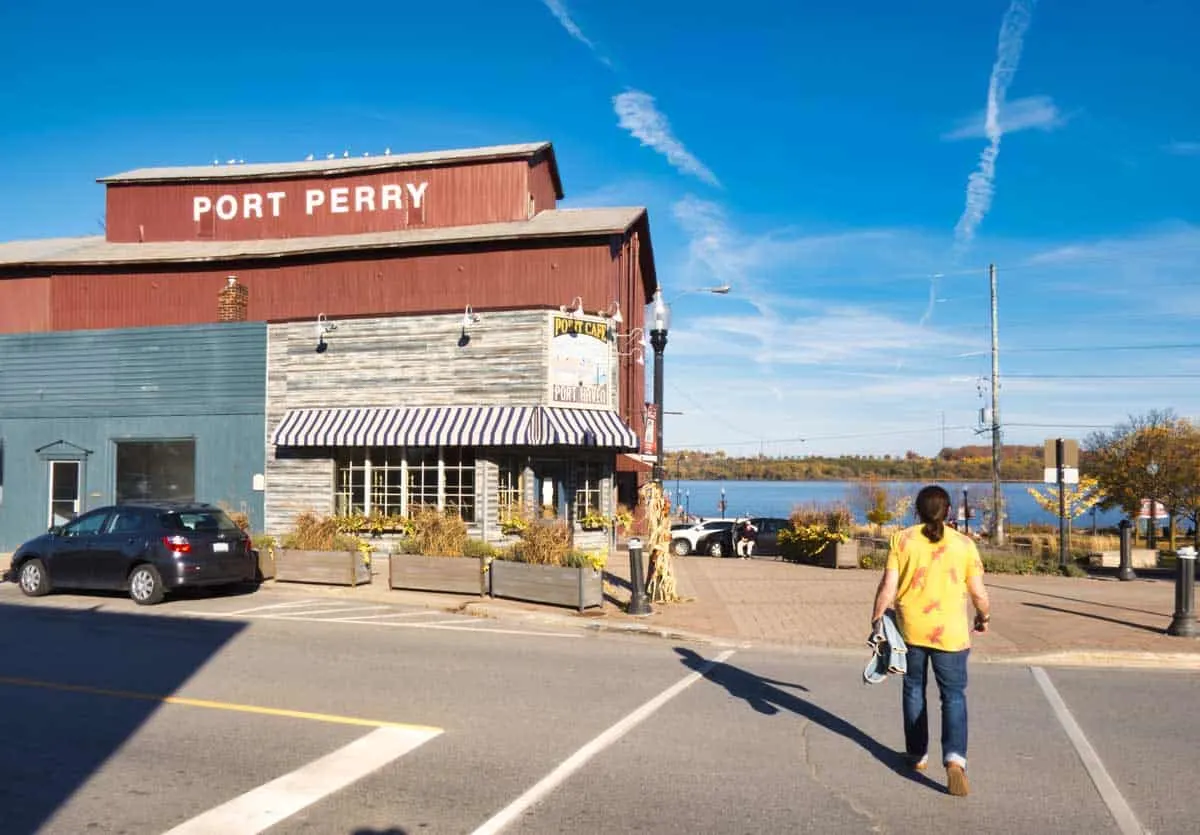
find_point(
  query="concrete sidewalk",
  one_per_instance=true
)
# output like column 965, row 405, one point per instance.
column 765, row 602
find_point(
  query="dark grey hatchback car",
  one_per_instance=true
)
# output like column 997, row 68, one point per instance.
column 145, row 548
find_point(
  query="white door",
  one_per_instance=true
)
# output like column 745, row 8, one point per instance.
column 65, row 490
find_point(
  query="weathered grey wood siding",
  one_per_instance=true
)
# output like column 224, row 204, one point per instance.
column 95, row 388
column 415, row 361
column 394, row 361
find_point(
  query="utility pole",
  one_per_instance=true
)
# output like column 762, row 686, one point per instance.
column 997, row 497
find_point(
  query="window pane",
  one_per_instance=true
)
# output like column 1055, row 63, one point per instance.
column 460, row 482
column 422, row 479
column 350, row 493
column 156, row 470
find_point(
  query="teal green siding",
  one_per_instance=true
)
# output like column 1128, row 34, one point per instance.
column 91, row 389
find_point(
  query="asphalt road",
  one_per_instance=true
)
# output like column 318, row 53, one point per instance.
column 271, row 712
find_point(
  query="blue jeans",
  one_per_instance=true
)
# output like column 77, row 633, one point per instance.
column 950, row 672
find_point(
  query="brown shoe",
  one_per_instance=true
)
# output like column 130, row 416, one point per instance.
column 956, row 780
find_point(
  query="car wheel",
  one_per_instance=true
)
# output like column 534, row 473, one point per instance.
column 33, row 579
column 146, row 586
column 716, row 550
column 681, row 547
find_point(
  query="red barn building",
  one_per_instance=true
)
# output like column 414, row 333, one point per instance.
column 418, row 329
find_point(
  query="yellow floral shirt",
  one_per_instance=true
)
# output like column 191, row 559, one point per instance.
column 932, row 594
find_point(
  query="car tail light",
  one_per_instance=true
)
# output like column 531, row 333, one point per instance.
column 177, row 544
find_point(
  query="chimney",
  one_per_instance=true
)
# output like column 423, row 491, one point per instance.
column 232, row 301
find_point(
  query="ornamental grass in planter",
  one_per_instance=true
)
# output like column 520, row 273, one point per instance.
column 316, row 551
column 820, row 536
column 437, row 555
column 543, row 568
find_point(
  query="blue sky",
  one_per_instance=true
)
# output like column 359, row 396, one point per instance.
column 815, row 156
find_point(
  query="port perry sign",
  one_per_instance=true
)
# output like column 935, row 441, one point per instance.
column 335, row 200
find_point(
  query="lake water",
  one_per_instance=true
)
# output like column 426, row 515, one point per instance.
column 778, row 498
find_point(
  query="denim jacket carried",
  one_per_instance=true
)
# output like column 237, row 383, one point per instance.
column 888, row 652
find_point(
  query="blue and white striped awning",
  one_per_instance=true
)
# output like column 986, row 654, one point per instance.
column 454, row 426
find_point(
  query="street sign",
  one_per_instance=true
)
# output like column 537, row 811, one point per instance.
column 1070, row 475
column 1070, row 454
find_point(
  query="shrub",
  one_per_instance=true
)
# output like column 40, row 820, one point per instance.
column 311, row 532
column 478, row 548
column 437, row 534
column 542, row 543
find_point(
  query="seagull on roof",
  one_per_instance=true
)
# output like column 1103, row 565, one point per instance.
column 308, row 158
column 329, row 156
column 387, row 152
column 345, row 154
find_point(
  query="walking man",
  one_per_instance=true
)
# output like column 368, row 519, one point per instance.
column 931, row 571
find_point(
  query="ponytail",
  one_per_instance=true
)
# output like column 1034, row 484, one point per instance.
column 934, row 531
column 933, row 506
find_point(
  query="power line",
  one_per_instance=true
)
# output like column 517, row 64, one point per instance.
column 1103, row 376
column 1087, row 349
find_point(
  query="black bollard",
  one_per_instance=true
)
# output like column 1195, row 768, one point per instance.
column 1126, row 571
column 638, row 604
column 1183, row 625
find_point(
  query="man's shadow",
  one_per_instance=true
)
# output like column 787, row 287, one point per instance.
column 765, row 697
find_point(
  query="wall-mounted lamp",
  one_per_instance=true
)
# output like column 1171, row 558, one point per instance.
column 613, row 313
column 577, row 305
column 470, row 317
column 324, row 326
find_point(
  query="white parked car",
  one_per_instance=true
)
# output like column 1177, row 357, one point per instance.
column 683, row 540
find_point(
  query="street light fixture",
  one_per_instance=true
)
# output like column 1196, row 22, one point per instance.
column 1151, row 523
column 658, row 341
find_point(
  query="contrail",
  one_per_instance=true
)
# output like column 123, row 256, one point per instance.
column 981, row 183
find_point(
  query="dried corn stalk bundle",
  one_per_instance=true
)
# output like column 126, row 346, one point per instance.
column 661, row 586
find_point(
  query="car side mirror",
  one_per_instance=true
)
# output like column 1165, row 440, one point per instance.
column 55, row 530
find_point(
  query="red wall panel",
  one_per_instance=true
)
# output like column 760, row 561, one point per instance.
column 459, row 195
column 541, row 186
column 539, row 277
column 24, row 304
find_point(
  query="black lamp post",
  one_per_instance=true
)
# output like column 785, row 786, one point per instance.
column 658, row 341
column 1151, row 529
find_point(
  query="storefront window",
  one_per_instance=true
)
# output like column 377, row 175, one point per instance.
column 156, row 470
column 512, row 494
column 587, row 487
column 422, row 479
column 402, row 481
column 459, row 467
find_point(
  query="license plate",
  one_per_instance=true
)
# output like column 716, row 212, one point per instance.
column 220, row 547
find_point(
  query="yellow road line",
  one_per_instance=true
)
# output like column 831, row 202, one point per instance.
column 213, row 705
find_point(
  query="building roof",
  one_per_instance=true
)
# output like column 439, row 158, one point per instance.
column 344, row 165
column 96, row 251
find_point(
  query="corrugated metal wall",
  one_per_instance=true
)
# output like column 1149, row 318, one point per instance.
column 541, row 186
column 91, row 389
column 510, row 279
column 24, row 305
column 459, row 195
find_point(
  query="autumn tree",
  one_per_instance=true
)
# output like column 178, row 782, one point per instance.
column 1153, row 457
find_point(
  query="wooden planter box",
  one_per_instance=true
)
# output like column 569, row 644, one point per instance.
column 578, row 588
column 456, row 575
column 337, row 568
column 839, row 555
column 266, row 564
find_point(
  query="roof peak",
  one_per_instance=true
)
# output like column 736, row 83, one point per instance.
column 334, row 165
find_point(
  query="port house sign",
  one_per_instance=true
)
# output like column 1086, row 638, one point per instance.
column 333, row 200
column 580, row 362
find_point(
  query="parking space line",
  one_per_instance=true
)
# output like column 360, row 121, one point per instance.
column 327, row 611
column 270, row 803
column 580, row 758
column 239, row 612
column 1122, row 814
column 182, row 701
column 424, row 613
